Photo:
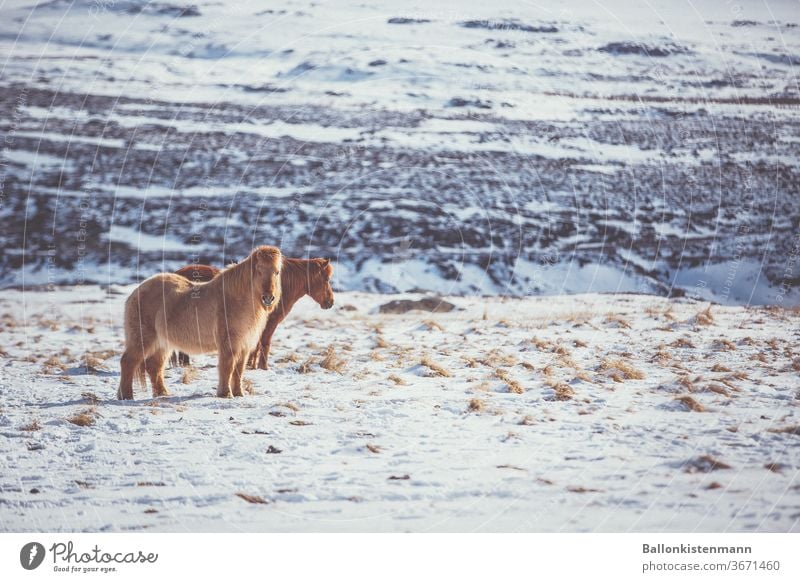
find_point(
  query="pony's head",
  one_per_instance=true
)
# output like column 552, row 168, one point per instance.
column 320, row 272
column 266, row 271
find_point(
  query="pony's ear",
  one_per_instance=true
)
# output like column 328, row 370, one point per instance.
column 326, row 261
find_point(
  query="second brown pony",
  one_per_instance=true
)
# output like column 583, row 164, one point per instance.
column 300, row 277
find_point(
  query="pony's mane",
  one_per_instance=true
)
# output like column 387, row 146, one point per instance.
column 239, row 276
column 299, row 274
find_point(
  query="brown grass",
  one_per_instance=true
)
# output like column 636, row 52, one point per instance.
column 690, row 403
column 724, row 344
column 53, row 365
column 542, row 344
column 705, row 317
column 305, row 367
column 513, row 385
column 435, row 368
column 682, row 342
column 397, row 380
column 579, row 343
column 619, row 370
column 373, row 448
column 332, row 362
column 497, row 358
column 90, row 397
column 476, row 405
column 380, row 342
column 189, row 375
column 84, row 418
column 561, row 390
column 720, row 368
column 251, row 498
column 618, row 320
column 289, row 358
column 795, row 430
column 717, row 389
column 247, row 386
column 431, row 325
column 704, row 464
column 32, row 426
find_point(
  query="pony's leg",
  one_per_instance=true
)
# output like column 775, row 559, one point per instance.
column 225, row 367
column 155, row 369
column 130, row 365
column 238, row 373
column 260, row 356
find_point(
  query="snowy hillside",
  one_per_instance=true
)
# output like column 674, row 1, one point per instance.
column 584, row 413
column 459, row 147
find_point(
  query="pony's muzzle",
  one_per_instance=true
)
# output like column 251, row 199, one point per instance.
column 328, row 305
column 267, row 300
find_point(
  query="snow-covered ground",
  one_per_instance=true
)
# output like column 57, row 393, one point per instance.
column 583, row 413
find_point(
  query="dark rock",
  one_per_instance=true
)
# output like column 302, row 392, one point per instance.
column 432, row 304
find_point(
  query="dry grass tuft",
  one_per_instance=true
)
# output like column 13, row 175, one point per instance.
column 289, row 358
column 662, row 357
column 497, row 358
column 527, row 420
column 397, row 380
column 618, row 321
column 476, row 405
column 373, row 448
column 332, row 362
column 720, row 368
column 796, row 364
column 84, row 418
column 380, row 342
column 705, row 317
column 252, row 498
column 619, row 370
column 91, row 398
column 682, row 342
column 53, row 365
column 561, row 390
column 189, row 375
column 435, row 368
column 579, row 343
column 722, row 344
column 32, row 426
column 717, row 389
column 542, row 344
column 795, row 430
column 248, row 387
column 704, row 464
column 513, row 385
column 431, row 325
column 691, row 404
column 305, row 367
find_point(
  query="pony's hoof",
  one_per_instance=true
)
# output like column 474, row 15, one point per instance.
column 227, row 394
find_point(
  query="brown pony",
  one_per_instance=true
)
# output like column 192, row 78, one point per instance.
column 299, row 277
column 224, row 315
